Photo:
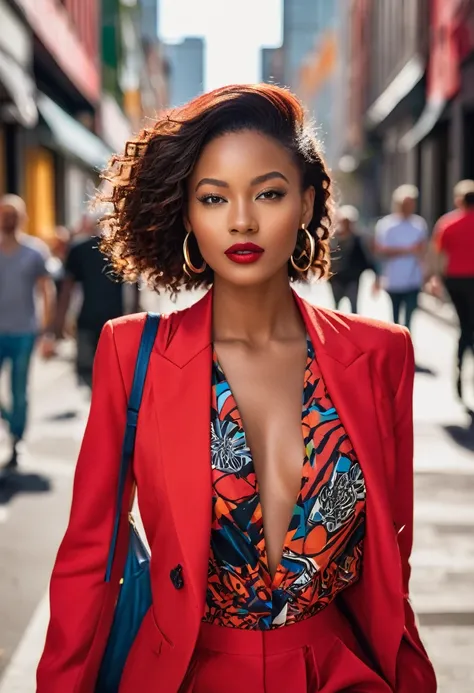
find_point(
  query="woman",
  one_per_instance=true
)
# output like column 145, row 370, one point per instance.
column 253, row 399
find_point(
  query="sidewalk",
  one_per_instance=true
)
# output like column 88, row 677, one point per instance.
column 440, row 309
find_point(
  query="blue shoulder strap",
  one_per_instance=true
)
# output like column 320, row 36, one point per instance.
column 149, row 333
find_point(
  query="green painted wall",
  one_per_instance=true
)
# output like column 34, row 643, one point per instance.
column 111, row 47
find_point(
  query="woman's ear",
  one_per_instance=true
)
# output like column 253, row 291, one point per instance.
column 187, row 224
column 308, row 205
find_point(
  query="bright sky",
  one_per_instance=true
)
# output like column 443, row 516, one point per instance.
column 234, row 31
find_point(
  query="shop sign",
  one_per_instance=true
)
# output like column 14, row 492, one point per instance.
column 443, row 73
column 452, row 40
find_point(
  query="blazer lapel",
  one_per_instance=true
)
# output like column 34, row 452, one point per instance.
column 348, row 376
column 181, row 375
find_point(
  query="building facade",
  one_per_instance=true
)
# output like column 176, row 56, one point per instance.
column 399, row 44
column 350, row 99
column 18, row 111
column 134, row 70
column 307, row 62
column 77, row 78
column 410, row 101
column 53, row 163
column 444, row 133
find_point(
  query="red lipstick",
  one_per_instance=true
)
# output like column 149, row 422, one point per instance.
column 244, row 253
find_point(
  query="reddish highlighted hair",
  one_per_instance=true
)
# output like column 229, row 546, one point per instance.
column 144, row 232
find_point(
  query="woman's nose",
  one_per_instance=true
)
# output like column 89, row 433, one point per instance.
column 242, row 220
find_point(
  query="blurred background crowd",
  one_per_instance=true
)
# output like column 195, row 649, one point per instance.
column 390, row 86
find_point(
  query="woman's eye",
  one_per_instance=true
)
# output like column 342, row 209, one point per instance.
column 271, row 195
column 211, row 199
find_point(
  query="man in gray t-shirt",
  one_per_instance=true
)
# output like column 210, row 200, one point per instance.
column 400, row 242
column 23, row 279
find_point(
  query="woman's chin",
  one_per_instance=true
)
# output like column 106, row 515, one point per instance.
column 248, row 276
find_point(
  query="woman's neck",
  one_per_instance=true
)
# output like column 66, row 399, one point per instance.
column 256, row 314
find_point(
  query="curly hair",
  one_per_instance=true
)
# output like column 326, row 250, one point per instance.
column 144, row 232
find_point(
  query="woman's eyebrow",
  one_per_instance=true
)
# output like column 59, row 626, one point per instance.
column 255, row 181
column 212, row 181
column 268, row 176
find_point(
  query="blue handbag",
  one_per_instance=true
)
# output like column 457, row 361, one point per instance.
column 135, row 591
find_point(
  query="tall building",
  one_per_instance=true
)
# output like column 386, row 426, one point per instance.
column 155, row 82
column 186, row 70
column 300, row 27
column 272, row 65
column 351, row 150
column 149, row 17
column 310, row 53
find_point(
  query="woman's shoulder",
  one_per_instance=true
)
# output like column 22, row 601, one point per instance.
column 126, row 331
column 119, row 343
column 360, row 325
column 368, row 334
column 389, row 346
column 363, row 326
column 131, row 326
column 127, row 328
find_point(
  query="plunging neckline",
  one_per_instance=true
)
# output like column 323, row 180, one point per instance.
column 275, row 581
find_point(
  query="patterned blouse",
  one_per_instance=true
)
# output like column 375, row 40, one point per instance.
column 322, row 553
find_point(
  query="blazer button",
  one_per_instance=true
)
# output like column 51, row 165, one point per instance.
column 176, row 576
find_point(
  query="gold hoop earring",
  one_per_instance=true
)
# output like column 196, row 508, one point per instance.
column 304, row 253
column 188, row 266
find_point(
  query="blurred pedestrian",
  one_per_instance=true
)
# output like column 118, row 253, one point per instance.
column 401, row 244
column 453, row 243
column 23, row 274
column 238, row 423
column 350, row 257
column 86, row 227
column 56, row 262
column 103, row 296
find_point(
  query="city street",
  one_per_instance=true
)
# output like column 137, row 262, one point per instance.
column 34, row 507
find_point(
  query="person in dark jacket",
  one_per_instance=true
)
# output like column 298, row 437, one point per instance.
column 103, row 297
column 349, row 258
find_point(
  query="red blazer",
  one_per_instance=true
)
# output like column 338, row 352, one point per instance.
column 368, row 369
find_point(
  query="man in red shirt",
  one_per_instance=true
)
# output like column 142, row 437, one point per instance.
column 454, row 243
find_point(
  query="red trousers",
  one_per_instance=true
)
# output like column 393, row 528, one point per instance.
column 318, row 655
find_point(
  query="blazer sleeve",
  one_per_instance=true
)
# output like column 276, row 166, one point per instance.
column 77, row 583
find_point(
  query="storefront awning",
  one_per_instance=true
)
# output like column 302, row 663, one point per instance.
column 424, row 125
column 72, row 137
column 399, row 88
column 21, row 89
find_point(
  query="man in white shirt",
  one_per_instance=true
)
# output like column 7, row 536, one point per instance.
column 401, row 242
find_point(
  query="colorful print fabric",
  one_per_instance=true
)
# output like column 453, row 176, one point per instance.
column 322, row 554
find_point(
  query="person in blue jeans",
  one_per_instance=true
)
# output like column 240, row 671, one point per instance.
column 23, row 277
column 401, row 243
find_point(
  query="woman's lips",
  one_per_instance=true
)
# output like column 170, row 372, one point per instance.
column 244, row 253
